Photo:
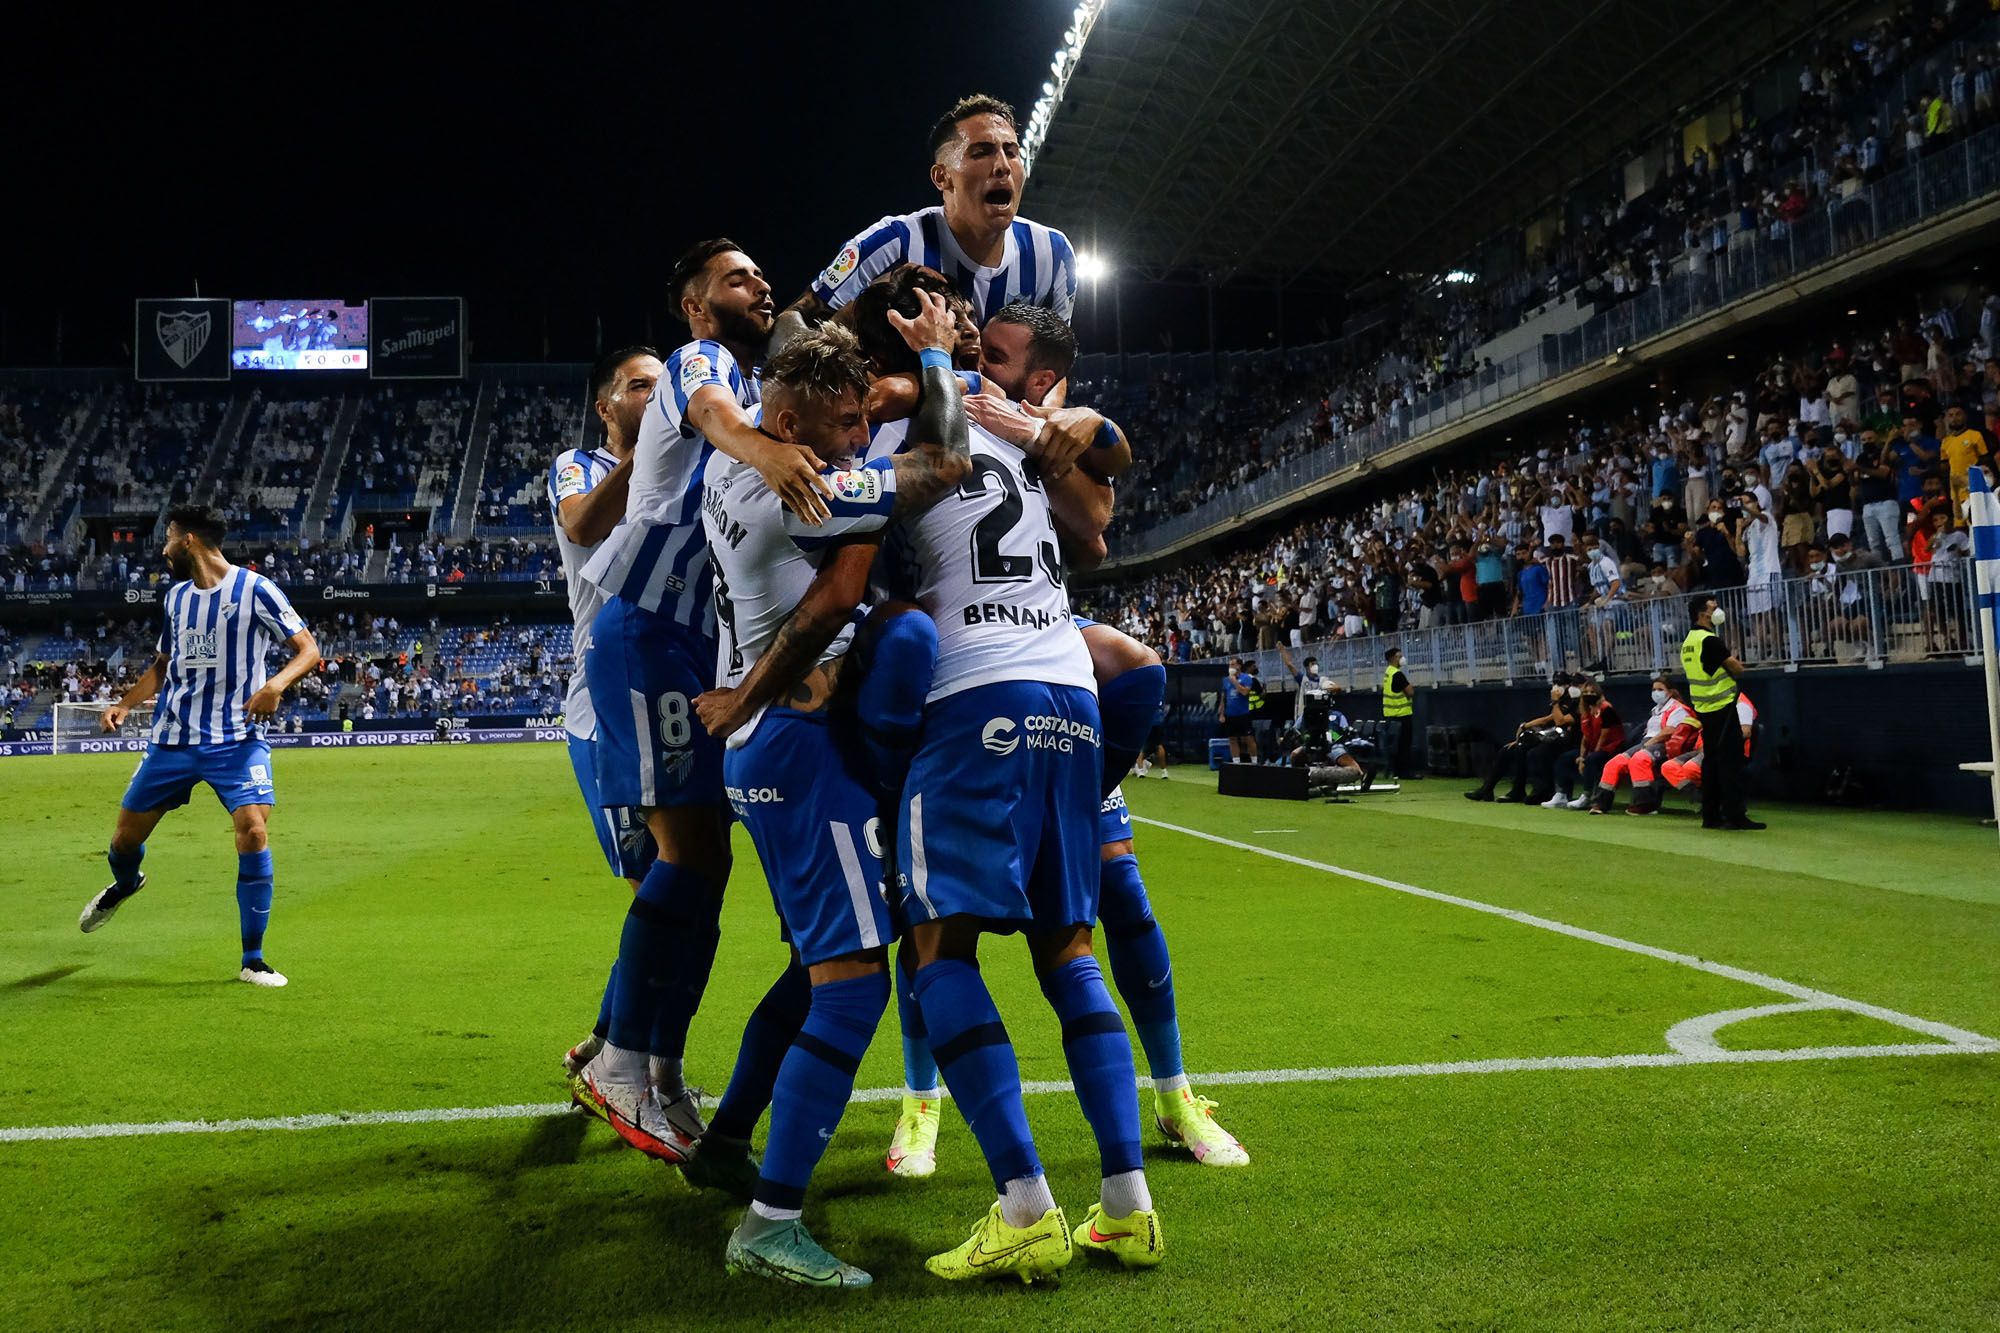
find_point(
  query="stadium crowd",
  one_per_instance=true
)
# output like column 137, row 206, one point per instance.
column 1838, row 135
column 1827, row 458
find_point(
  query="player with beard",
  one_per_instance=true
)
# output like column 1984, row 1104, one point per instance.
column 209, row 671
column 1025, row 352
column 652, row 652
column 974, row 235
column 785, row 599
column 587, row 491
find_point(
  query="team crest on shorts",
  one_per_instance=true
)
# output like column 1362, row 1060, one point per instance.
column 843, row 264
column 679, row 764
column 998, row 736
column 696, row 371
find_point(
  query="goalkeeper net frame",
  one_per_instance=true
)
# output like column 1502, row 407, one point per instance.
column 72, row 723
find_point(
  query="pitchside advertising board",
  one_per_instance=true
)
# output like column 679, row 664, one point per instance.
column 417, row 338
column 184, row 339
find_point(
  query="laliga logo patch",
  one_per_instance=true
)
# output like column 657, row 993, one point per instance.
column 571, row 475
column 862, row 486
column 997, row 736
column 696, row 371
column 843, row 264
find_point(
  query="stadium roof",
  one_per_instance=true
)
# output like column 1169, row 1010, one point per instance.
column 1278, row 140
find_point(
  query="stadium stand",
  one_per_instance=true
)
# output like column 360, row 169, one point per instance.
column 530, row 423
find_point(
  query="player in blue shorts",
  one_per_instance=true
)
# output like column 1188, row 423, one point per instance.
column 209, row 671
column 995, row 833
column 587, row 490
column 785, row 597
column 652, row 653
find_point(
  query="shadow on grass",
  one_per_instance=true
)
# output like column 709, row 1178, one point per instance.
column 48, row 978
column 528, row 1228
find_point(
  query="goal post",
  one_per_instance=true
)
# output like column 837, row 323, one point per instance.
column 73, row 723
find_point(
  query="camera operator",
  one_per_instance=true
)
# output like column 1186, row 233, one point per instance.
column 1602, row 737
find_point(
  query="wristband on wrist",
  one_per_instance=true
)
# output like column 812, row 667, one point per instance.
column 935, row 358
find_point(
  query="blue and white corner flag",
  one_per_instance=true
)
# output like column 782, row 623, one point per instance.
column 1985, row 514
column 1984, row 510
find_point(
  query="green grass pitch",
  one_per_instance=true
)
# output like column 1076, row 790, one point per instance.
column 447, row 924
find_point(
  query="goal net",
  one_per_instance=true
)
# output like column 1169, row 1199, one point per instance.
column 74, row 723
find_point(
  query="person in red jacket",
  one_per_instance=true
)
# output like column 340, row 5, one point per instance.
column 1670, row 729
column 1685, row 771
column 1603, row 737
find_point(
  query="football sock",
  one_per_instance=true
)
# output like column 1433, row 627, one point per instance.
column 1100, row 1060
column 668, row 930
column 773, row 1025
column 1025, row 1199
column 972, row 1048
column 665, row 1074
column 124, row 874
column 890, row 702
column 920, row 1071
column 814, row 1083
column 1127, row 704
column 253, row 900
column 603, row 1028
column 1125, row 1194
column 1139, row 963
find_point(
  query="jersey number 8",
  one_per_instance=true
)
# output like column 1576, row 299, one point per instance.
column 675, row 726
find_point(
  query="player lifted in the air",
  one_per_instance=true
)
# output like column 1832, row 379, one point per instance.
column 785, row 597
column 209, row 671
column 974, row 235
column 587, row 493
column 652, row 652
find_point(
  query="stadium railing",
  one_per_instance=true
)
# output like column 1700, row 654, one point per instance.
column 1864, row 619
column 1944, row 180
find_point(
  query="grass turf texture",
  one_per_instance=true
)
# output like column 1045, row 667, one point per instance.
column 447, row 924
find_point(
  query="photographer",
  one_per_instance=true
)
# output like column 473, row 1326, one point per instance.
column 1241, row 696
column 1602, row 736
column 1552, row 732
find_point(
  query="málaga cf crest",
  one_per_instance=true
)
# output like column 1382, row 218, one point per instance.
column 182, row 333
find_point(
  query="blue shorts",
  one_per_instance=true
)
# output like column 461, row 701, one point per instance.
column 621, row 833
column 813, row 823
column 644, row 673
column 239, row 772
column 1114, row 821
column 1000, row 808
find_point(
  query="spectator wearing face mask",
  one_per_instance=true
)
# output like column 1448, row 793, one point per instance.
column 1602, row 736
column 1833, row 490
column 1875, row 492
column 1715, row 547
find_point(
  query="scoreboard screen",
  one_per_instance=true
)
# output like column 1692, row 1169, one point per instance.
column 299, row 335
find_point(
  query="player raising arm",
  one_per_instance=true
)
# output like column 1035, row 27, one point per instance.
column 209, row 672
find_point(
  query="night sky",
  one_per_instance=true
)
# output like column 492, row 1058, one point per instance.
column 545, row 164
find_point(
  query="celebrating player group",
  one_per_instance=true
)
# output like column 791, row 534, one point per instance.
column 818, row 572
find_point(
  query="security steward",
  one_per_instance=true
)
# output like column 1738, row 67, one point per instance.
column 1712, row 674
column 1399, row 706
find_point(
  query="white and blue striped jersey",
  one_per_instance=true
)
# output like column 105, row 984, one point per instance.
column 1039, row 266
column 576, row 472
column 766, row 557
column 215, row 642
column 986, row 563
column 658, row 559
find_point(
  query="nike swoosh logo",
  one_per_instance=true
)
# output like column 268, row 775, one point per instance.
column 826, row 1134
column 1155, row 985
column 1099, row 1238
column 980, row 1255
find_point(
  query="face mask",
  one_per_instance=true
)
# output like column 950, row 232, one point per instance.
column 1819, row 566
column 1715, row 515
column 1659, row 696
column 1715, row 617
column 1576, row 692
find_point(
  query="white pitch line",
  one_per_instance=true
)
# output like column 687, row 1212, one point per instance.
column 1958, row 1037
column 1237, row 1078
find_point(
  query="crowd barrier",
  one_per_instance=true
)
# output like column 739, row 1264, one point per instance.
column 1866, row 619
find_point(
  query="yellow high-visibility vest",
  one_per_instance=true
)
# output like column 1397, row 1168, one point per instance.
column 1708, row 691
column 1394, row 703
